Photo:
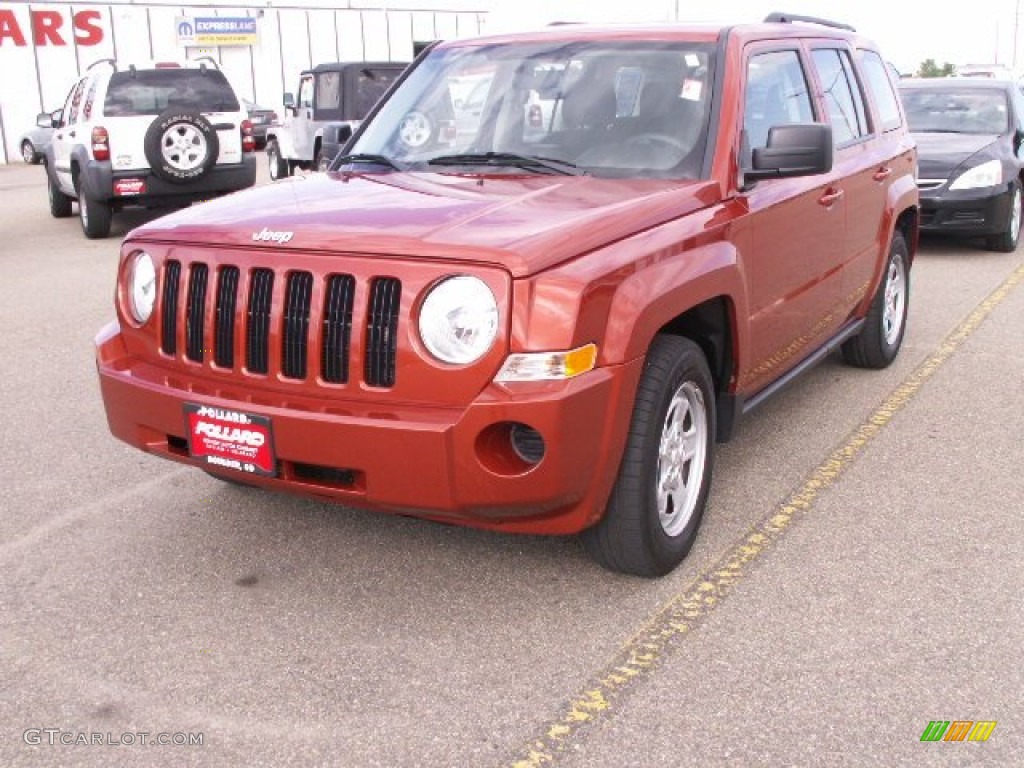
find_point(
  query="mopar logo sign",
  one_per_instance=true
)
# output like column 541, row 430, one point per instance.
column 208, row 31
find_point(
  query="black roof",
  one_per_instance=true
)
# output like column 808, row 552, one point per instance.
column 341, row 66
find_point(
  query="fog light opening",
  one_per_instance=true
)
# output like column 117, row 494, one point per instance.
column 527, row 443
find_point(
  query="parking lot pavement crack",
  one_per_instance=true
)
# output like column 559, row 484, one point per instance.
column 642, row 653
column 62, row 520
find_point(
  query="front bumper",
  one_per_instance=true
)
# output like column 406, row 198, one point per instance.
column 99, row 179
column 967, row 212
column 448, row 464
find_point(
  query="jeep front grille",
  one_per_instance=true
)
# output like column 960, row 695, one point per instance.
column 194, row 325
column 169, row 321
column 382, row 331
column 257, row 345
column 296, row 324
column 279, row 320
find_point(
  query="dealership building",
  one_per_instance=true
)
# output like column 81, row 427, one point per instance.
column 261, row 48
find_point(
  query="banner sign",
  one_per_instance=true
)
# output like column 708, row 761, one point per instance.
column 208, row 31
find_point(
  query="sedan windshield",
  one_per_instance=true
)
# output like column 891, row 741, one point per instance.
column 956, row 110
column 617, row 109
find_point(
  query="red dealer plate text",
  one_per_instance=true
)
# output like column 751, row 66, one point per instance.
column 128, row 187
column 227, row 439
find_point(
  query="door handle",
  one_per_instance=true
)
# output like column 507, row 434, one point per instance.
column 72, row 134
column 830, row 197
column 882, row 174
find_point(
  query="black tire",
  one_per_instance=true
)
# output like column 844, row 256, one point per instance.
column 181, row 146
column 60, row 204
column 29, row 154
column 1006, row 241
column 279, row 167
column 322, row 161
column 878, row 342
column 95, row 216
column 631, row 537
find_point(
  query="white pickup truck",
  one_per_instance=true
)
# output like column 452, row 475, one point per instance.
column 338, row 92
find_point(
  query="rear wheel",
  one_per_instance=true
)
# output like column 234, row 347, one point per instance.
column 60, row 204
column 95, row 216
column 658, row 500
column 879, row 340
column 1006, row 241
column 278, row 166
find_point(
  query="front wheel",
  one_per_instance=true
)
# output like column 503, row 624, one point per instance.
column 279, row 167
column 659, row 496
column 29, row 154
column 880, row 339
column 1006, row 241
column 60, row 204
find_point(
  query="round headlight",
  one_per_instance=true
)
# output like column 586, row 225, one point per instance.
column 459, row 320
column 141, row 287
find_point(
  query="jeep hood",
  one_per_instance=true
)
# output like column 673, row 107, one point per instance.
column 940, row 154
column 522, row 223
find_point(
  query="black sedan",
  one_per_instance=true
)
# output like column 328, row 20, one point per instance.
column 969, row 135
column 261, row 119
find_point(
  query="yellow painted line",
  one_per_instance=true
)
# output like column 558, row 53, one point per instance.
column 640, row 654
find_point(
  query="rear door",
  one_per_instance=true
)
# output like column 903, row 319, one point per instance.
column 864, row 164
column 68, row 135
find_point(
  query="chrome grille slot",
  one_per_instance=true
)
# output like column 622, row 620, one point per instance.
column 337, row 328
column 382, row 331
column 227, row 298
column 295, row 332
column 261, row 291
column 196, row 304
column 169, row 316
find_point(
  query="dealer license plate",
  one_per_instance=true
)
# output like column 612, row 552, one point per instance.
column 228, row 439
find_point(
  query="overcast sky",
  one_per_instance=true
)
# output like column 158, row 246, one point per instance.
column 908, row 31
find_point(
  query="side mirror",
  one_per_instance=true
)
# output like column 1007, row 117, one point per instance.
column 289, row 101
column 801, row 149
column 47, row 120
column 1018, row 139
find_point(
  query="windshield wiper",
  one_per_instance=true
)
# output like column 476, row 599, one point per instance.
column 510, row 159
column 363, row 157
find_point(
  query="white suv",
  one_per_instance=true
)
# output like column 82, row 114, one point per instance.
column 164, row 135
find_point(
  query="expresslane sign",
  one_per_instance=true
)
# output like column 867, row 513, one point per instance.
column 207, row 31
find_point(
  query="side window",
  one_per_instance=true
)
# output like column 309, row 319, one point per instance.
column 844, row 112
column 71, row 106
column 306, row 92
column 90, row 97
column 880, row 85
column 775, row 94
column 328, row 90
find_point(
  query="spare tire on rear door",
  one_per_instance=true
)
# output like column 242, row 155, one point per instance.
column 181, row 146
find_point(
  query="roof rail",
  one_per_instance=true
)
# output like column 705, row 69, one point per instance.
column 789, row 18
column 111, row 62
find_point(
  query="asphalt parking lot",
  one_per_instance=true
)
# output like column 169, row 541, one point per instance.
column 857, row 576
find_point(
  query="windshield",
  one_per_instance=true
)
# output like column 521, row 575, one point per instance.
column 956, row 110
column 610, row 109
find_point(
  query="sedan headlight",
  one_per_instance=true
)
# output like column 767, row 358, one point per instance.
column 988, row 174
column 459, row 320
column 141, row 287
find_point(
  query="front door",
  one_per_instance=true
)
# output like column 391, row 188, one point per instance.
column 793, row 267
column 303, row 127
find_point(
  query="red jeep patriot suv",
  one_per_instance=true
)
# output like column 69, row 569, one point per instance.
column 538, row 308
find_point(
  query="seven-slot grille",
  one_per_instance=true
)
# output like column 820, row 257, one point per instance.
column 252, row 307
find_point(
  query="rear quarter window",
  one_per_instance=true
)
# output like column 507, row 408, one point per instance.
column 880, row 87
column 150, row 92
